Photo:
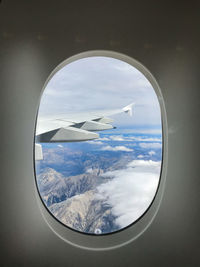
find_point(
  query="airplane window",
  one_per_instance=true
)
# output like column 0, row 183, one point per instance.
column 98, row 145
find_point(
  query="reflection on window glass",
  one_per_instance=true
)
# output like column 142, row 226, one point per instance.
column 98, row 146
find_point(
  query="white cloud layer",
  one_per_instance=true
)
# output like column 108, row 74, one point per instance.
column 90, row 170
column 141, row 139
column 117, row 138
column 95, row 142
column 60, row 145
column 116, row 148
column 151, row 145
column 151, row 153
column 131, row 190
column 104, row 139
column 121, row 138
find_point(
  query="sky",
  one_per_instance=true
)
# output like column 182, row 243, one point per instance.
column 98, row 83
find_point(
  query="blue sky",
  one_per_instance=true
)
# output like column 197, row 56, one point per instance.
column 98, row 83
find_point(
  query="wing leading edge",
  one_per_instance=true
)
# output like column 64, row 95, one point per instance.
column 74, row 128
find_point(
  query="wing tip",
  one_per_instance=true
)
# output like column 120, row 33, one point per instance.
column 129, row 109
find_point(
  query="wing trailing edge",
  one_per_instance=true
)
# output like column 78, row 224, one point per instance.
column 93, row 126
column 69, row 134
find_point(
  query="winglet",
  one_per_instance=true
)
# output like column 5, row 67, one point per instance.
column 129, row 109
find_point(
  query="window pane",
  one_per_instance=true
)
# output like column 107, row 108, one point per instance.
column 98, row 147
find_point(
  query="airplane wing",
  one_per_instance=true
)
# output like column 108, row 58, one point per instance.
column 74, row 127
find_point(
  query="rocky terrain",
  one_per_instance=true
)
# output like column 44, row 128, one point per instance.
column 71, row 174
column 54, row 187
column 73, row 200
column 84, row 213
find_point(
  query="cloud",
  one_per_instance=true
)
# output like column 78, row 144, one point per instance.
column 117, row 138
column 131, row 190
column 116, row 148
column 89, row 170
column 104, row 139
column 141, row 139
column 141, row 130
column 60, row 145
column 140, row 156
column 95, row 142
column 151, row 153
column 151, row 145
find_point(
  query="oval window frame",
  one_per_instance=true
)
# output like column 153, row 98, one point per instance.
column 131, row 232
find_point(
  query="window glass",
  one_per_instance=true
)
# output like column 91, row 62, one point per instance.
column 98, row 145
